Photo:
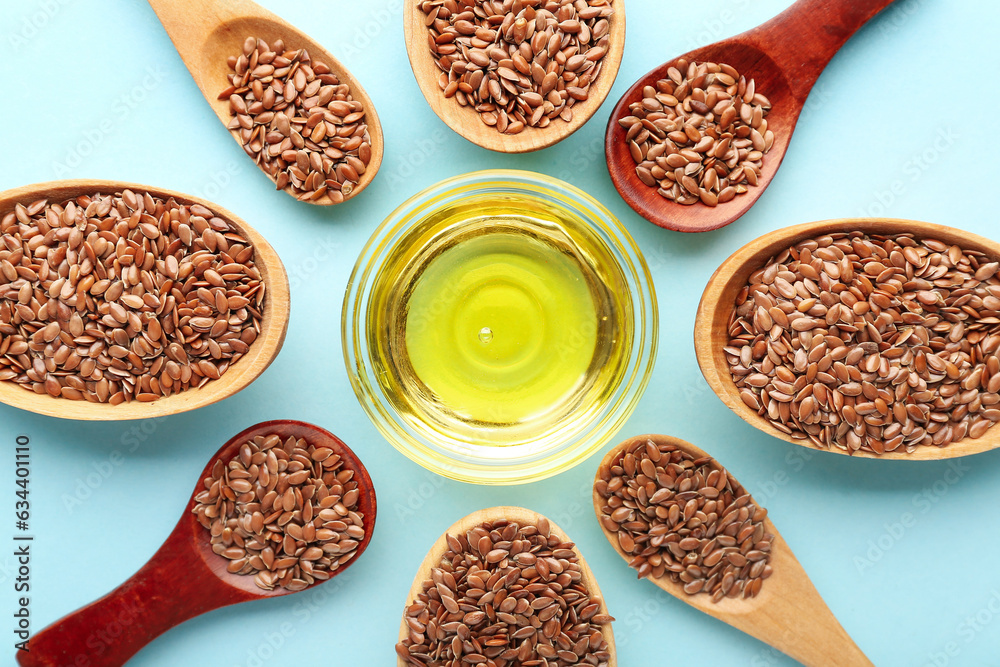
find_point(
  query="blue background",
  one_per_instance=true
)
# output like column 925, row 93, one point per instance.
column 901, row 124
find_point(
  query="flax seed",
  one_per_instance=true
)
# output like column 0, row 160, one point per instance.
column 500, row 606
column 721, row 148
column 674, row 529
column 518, row 64
column 907, row 329
column 103, row 303
column 311, row 546
column 301, row 127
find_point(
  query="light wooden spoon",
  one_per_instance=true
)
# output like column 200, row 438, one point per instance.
column 263, row 351
column 466, row 121
column 522, row 516
column 784, row 56
column 184, row 578
column 207, row 32
column 719, row 299
column 788, row 613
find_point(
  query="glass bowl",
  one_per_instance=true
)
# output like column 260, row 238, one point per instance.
column 563, row 366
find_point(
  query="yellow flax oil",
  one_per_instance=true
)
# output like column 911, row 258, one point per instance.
column 499, row 322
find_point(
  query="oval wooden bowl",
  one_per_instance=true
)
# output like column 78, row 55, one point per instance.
column 522, row 516
column 205, row 34
column 787, row 598
column 719, row 299
column 465, row 120
column 274, row 323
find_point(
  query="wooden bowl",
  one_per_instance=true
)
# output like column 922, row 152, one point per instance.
column 466, row 121
column 274, row 323
column 719, row 298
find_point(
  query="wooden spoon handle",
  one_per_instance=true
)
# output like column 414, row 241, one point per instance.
column 816, row 640
column 198, row 18
column 189, row 23
column 803, row 38
column 797, row 621
column 168, row 590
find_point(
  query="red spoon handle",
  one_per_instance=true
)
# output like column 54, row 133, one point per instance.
column 802, row 39
column 168, row 590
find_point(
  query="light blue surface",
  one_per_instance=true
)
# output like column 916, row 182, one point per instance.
column 902, row 123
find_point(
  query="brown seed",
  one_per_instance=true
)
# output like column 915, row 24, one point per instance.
column 712, row 139
column 451, row 613
column 113, row 347
column 892, row 358
column 298, row 122
column 250, row 531
column 240, row 486
column 518, row 70
column 689, row 488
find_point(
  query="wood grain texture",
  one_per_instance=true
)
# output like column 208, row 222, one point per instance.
column 183, row 579
column 788, row 614
column 719, row 299
column 522, row 516
column 784, row 56
column 207, row 32
column 263, row 351
column 466, row 121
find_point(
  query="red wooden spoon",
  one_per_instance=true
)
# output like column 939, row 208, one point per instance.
column 784, row 57
column 183, row 579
